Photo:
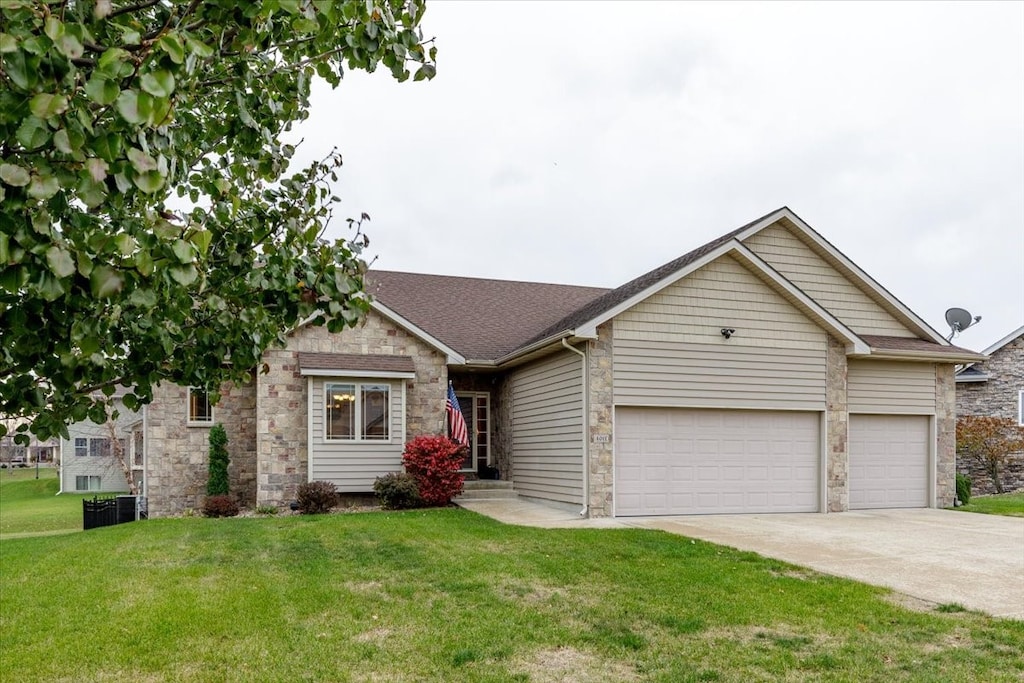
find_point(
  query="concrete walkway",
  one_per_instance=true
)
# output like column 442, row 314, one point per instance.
column 940, row 556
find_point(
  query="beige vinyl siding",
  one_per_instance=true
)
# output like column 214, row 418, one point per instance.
column 796, row 261
column 353, row 466
column 547, row 429
column 669, row 350
column 875, row 386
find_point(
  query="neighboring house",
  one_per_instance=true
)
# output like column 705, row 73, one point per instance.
column 761, row 372
column 995, row 388
column 87, row 457
column 16, row 455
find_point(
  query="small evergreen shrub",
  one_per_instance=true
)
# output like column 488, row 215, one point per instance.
column 217, row 484
column 434, row 462
column 397, row 491
column 266, row 509
column 317, row 497
column 963, row 488
column 220, row 506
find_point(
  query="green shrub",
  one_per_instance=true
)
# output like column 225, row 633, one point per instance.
column 963, row 488
column 217, row 484
column 397, row 491
column 317, row 497
column 220, row 506
column 266, row 509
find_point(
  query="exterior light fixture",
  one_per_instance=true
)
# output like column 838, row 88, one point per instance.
column 727, row 332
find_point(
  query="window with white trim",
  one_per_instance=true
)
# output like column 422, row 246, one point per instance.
column 81, row 447
column 200, row 410
column 355, row 411
column 88, row 482
column 1020, row 407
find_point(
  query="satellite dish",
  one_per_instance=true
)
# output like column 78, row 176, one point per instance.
column 959, row 320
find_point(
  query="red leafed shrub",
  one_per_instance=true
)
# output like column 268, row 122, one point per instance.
column 435, row 461
column 317, row 497
column 220, row 506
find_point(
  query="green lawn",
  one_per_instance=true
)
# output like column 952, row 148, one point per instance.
column 30, row 506
column 447, row 595
column 1011, row 504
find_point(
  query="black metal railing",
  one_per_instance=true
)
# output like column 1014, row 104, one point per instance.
column 100, row 512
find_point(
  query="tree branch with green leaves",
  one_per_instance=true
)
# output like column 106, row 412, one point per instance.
column 110, row 109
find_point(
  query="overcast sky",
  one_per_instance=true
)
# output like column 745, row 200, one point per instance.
column 589, row 142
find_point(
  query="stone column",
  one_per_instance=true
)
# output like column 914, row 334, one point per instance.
column 837, row 428
column 945, row 435
column 601, row 438
column 281, row 407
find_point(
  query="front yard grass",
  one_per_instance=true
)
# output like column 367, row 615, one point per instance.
column 447, row 595
column 30, row 506
column 1011, row 504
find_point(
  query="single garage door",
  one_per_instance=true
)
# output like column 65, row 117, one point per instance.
column 888, row 461
column 676, row 461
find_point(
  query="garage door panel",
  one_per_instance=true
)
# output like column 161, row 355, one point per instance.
column 888, row 461
column 715, row 461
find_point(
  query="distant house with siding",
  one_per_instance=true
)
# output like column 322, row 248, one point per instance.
column 87, row 461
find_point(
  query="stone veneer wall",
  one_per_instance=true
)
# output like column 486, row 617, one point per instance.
column 945, row 435
column 599, row 403
column 177, row 456
column 998, row 397
column 501, row 415
column 282, row 402
column 837, row 426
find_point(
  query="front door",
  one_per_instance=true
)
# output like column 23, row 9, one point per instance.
column 476, row 410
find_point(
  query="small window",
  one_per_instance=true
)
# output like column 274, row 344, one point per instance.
column 200, row 412
column 87, row 483
column 137, row 448
column 357, row 412
column 374, row 406
column 341, row 411
column 1020, row 408
column 99, row 447
column 81, row 447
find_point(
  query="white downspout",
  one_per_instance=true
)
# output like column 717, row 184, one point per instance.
column 586, row 426
column 60, row 465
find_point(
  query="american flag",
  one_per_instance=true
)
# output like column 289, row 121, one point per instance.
column 456, row 423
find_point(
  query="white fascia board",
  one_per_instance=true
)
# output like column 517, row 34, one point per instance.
column 919, row 325
column 854, row 344
column 770, row 219
column 964, row 379
column 1004, row 341
column 370, row 374
column 454, row 357
column 900, row 354
column 536, row 346
column 588, row 329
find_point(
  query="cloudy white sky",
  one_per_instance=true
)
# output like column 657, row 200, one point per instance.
column 587, row 143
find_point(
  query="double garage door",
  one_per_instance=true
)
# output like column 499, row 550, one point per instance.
column 675, row 461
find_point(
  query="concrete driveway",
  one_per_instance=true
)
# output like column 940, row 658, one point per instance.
column 940, row 556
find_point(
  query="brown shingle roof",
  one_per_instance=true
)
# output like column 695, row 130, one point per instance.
column 486, row 319
column 884, row 343
column 355, row 362
column 481, row 319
